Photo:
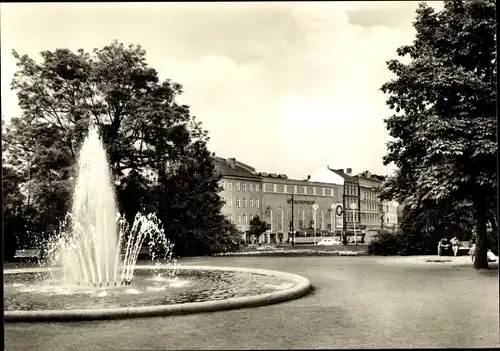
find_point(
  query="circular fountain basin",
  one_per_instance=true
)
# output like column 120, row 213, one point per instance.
column 193, row 289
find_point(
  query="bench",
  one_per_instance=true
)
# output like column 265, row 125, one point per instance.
column 464, row 245
column 27, row 254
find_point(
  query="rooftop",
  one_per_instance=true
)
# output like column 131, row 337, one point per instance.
column 232, row 168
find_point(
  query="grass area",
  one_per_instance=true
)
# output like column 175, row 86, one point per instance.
column 362, row 302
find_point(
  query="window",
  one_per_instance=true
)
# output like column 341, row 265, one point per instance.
column 300, row 190
column 269, row 187
column 250, row 217
column 280, row 188
column 268, row 218
column 238, row 218
column 257, row 187
column 245, row 202
column 238, row 186
column 257, row 203
column 237, row 202
column 245, row 219
column 251, row 202
column 230, row 186
column 310, row 190
column 229, row 217
column 321, row 220
column 290, row 189
column 301, row 218
column 244, row 186
column 280, row 220
column 230, row 201
column 250, row 187
column 223, row 185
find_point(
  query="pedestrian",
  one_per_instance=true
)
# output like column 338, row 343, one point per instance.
column 472, row 252
column 454, row 244
column 491, row 256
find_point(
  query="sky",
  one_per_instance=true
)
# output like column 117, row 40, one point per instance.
column 285, row 87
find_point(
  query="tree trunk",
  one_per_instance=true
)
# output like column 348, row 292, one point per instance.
column 481, row 207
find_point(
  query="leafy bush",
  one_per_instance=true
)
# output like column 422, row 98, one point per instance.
column 383, row 244
column 401, row 243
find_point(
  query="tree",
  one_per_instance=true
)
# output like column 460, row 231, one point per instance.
column 445, row 103
column 12, row 207
column 189, row 204
column 147, row 135
column 257, row 226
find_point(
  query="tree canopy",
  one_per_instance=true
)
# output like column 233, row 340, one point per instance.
column 444, row 126
column 154, row 145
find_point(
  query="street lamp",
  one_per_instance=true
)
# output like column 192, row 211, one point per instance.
column 353, row 208
column 315, row 208
column 333, row 207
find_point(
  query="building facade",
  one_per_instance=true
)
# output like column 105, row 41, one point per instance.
column 241, row 192
column 287, row 206
column 371, row 210
column 350, row 203
column 391, row 214
column 347, row 204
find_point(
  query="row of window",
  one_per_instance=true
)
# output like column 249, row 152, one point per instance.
column 368, row 194
column 241, row 218
column 297, row 189
column 370, row 218
column 242, row 202
column 240, row 186
column 370, row 207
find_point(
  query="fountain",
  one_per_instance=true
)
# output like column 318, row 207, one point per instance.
column 92, row 263
column 87, row 245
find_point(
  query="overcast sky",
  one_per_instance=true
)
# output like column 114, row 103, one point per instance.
column 284, row 87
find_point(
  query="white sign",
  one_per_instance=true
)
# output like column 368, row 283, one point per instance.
column 339, row 216
column 315, row 206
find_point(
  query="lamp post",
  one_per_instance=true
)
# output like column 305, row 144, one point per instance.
column 333, row 207
column 353, row 208
column 315, row 208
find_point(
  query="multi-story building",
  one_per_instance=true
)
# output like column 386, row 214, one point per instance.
column 391, row 214
column 278, row 193
column 371, row 210
column 350, row 202
column 241, row 191
column 347, row 203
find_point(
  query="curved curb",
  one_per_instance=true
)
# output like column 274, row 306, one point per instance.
column 301, row 287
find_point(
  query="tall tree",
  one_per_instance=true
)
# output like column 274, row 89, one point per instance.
column 445, row 102
column 144, row 130
column 189, row 204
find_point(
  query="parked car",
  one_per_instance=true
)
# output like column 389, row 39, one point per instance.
column 329, row 242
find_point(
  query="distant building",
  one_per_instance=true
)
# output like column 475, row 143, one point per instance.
column 347, row 203
column 241, row 192
column 277, row 194
column 391, row 214
column 350, row 202
column 371, row 209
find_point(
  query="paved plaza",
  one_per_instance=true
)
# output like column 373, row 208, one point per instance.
column 357, row 302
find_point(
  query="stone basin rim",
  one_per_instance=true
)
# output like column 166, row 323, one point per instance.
column 301, row 287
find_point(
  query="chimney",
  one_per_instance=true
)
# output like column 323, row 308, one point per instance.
column 308, row 177
column 368, row 174
column 348, row 171
column 231, row 162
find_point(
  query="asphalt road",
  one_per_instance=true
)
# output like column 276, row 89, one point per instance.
column 357, row 302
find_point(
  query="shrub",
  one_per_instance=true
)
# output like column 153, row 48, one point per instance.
column 383, row 244
column 401, row 243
